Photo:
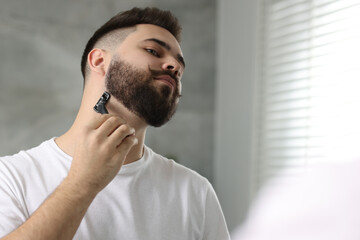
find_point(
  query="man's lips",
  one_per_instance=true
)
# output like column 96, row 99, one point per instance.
column 167, row 79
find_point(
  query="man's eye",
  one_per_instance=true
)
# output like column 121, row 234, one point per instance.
column 153, row 52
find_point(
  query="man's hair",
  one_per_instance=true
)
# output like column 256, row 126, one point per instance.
column 130, row 18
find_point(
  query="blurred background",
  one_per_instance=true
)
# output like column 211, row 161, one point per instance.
column 269, row 84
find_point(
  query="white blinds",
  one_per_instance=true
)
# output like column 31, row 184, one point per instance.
column 309, row 90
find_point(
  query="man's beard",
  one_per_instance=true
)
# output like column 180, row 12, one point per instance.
column 134, row 88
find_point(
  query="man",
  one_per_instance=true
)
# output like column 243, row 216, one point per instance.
column 98, row 180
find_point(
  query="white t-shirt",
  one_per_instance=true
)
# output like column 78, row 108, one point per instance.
column 152, row 198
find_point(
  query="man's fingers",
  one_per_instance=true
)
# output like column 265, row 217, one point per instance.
column 124, row 147
column 111, row 124
column 121, row 133
column 96, row 120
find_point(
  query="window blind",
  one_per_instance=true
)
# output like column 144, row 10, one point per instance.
column 308, row 94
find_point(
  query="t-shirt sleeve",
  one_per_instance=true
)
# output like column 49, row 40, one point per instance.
column 12, row 214
column 214, row 223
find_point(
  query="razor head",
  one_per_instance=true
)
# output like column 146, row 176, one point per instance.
column 100, row 105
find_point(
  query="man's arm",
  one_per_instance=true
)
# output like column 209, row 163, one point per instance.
column 58, row 217
column 99, row 155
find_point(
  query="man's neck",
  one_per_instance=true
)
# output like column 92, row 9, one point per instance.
column 67, row 141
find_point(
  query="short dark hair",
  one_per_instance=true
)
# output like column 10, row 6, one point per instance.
column 130, row 18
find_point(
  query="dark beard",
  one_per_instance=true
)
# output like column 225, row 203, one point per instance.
column 134, row 88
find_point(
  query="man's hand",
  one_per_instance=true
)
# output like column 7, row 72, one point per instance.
column 100, row 152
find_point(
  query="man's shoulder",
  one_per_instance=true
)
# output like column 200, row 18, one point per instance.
column 171, row 169
column 25, row 159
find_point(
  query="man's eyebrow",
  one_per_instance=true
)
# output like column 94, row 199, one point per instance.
column 167, row 47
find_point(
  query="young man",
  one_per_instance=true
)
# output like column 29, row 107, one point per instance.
column 98, row 180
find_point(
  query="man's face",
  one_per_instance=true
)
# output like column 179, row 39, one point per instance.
column 136, row 90
column 145, row 74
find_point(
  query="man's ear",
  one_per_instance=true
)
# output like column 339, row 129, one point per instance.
column 97, row 61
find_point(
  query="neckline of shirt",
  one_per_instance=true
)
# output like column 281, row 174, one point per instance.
column 125, row 169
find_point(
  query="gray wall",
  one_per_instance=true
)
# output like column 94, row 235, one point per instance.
column 41, row 42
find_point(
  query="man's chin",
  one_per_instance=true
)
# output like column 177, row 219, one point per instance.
column 159, row 122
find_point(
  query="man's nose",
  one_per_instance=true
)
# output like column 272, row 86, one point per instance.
column 172, row 65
